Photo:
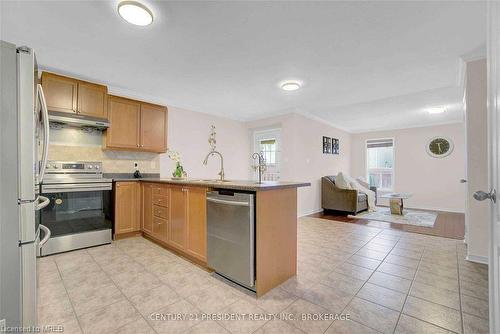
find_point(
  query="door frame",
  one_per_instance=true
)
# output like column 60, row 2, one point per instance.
column 274, row 132
column 493, row 45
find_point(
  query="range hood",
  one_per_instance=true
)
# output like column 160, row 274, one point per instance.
column 78, row 120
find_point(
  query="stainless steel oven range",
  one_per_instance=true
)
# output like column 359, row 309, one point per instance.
column 80, row 211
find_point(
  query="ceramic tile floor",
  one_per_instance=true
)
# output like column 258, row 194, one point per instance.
column 385, row 280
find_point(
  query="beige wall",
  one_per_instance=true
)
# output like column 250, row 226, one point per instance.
column 478, row 216
column 434, row 182
column 188, row 133
column 302, row 157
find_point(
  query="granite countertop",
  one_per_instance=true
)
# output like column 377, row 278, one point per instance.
column 230, row 184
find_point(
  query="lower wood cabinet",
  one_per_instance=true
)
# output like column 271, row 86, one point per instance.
column 127, row 210
column 176, row 216
column 196, row 223
column 160, row 229
column 147, row 207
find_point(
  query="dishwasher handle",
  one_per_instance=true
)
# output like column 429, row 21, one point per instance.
column 222, row 201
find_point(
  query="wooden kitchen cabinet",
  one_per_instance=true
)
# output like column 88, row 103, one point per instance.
column 136, row 126
column 147, row 207
column 64, row 94
column 188, row 221
column 127, row 209
column 172, row 215
column 92, row 100
column 124, row 118
column 60, row 92
column 160, row 229
column 196, row 223
column 178, row 211
column 153, row 128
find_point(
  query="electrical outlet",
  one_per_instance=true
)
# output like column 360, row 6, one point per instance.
column 2, row 326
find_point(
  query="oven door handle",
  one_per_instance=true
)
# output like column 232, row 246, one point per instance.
column 46, row 237
column 42, row 202
column 66, row 188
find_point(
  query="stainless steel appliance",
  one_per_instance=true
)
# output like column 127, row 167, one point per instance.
column 231, row 235
column 79, row 214
column 77, row 120
column 24, row 138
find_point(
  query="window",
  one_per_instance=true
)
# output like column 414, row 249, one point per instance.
column 268, row 148
column 268, row 142
column 380, row 163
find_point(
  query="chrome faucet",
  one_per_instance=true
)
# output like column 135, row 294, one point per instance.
column 214, row 152
column 261, row 167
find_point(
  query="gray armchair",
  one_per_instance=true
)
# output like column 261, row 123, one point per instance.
column 347, row 200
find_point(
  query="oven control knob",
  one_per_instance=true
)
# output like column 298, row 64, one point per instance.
column 54, row 166
column 90, row 166
column 96, row 167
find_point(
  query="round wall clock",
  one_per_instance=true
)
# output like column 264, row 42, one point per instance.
column 439, row 147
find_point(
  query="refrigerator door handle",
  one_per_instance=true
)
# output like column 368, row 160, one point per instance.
column 42, row 202
column 45, row 115
column 46, row 237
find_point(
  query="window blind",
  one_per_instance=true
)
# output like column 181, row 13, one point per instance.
column 372, row 143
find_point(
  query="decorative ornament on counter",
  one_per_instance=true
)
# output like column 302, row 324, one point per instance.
column 179, row 172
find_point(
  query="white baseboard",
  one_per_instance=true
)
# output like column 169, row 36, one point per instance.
column 477, row 258
column 309, row 213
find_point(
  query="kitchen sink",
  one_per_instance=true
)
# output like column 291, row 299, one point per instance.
column 211, row 180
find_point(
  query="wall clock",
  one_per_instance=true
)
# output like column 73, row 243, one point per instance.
column 439, row 147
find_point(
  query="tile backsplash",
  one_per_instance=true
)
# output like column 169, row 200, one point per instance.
column 73, row 144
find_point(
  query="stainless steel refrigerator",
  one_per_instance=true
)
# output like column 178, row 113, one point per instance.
column 24, row 138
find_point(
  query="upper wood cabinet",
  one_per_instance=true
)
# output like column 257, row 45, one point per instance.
column 60, row 92
column 70, row 95
column 136, row 125
column 92, row 99
column 125, row 119
column 153, row 128
column 127, row 209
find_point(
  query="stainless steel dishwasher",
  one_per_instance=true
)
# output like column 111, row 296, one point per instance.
column 231, row 235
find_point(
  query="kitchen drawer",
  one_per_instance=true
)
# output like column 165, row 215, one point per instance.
column 160, row 211
column 160, row 200
column 160, row 228
column 160, row 190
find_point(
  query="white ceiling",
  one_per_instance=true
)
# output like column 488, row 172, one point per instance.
column 365, row 65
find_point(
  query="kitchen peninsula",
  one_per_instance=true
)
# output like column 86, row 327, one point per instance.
column 173, row 213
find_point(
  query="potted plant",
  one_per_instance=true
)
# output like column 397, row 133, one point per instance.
column 178, row 172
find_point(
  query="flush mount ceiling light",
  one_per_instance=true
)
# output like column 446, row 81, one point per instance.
column 135, row 13
column 436, row 110
column 290, row 85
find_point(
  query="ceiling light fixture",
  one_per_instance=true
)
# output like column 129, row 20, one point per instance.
column 135, row 13
column 290, row 85
column 436, row 110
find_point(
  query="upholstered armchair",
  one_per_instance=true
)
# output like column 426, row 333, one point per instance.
column 347, row 200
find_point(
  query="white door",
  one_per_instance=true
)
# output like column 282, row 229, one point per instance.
column 493, row 42
column 268, row 142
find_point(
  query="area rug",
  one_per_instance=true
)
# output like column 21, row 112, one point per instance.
column 410, row 217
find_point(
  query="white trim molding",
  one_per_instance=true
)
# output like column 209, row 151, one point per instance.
column 477, row 259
